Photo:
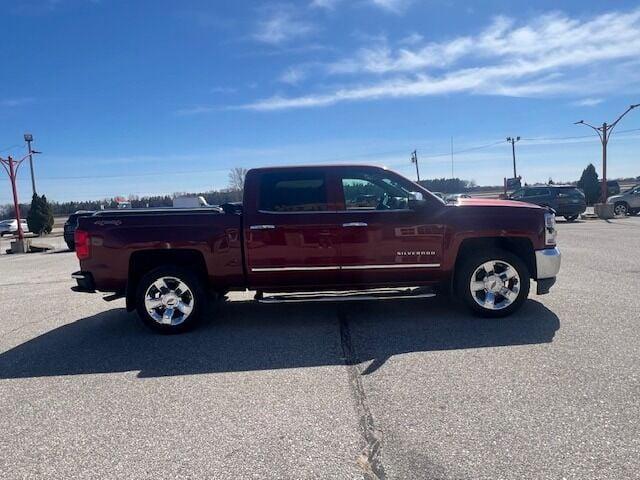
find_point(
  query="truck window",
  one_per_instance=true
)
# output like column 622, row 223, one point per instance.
column 370, row 191
column 518, row 194
column 293, row 192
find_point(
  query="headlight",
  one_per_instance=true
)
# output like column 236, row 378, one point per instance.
column 550, row 231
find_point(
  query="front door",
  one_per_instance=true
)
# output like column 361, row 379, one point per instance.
column 385, row 239
column 292, row 239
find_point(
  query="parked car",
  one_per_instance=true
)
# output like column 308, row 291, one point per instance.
column 566, row 200
column 439, row 195
column 70, row 226
column 297, row 238
column 454, row 197
column 10, row 227
column 627, row 202
column 613, row 187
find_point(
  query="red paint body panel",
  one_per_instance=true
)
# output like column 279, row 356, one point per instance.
column 308, row 250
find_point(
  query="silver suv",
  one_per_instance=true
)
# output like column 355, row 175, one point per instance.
column 627, row 202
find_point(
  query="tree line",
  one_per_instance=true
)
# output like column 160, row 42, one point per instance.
column 588, row 183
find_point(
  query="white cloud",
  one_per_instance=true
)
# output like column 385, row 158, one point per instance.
column 293, row 76
column 280, row 26
column 412, row 39
column 395, row 6
column 552, row 54
column 588, row 102
column 326, row 4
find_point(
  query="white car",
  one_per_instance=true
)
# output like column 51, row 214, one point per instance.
column 9, row 227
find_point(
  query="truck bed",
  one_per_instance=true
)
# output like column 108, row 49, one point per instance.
column 122, row 238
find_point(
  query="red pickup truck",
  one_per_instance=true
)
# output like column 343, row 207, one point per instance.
column 319, row 233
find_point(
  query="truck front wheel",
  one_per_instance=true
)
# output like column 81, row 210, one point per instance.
column 493, row 283
column 170, row 299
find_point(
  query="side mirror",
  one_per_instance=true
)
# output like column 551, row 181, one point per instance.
column 417, row 201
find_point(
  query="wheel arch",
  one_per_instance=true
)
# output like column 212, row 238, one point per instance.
column 144, row 261
column 522, row 247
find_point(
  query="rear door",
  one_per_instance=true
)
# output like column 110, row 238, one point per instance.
column 570, row 200
column 292, row 231
column 383, row 240
column 634, row 198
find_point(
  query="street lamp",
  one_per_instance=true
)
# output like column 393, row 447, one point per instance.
column 604, row 132
column 29, row 138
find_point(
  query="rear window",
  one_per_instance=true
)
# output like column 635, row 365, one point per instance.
column 293, row 192
column 536, row 192
column 570, row 193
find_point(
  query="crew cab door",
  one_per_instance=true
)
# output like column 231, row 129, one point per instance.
column 386, row 239
column 291, row 230
column 634, row 198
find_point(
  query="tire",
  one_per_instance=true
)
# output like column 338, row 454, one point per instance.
column 169, row 287
column 571, row 218
column 502, row 261
column 621, row 208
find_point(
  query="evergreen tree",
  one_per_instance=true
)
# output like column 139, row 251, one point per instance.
column 589, row 184
column 40, row 217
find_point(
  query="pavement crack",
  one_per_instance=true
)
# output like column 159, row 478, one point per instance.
column 369, row 460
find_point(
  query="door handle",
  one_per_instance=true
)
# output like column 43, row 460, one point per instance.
column 354, row 224
column 262, row 227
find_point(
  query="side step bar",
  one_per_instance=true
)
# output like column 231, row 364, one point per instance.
column 347, row 295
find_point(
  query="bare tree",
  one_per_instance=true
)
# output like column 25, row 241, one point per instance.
column 236, row 178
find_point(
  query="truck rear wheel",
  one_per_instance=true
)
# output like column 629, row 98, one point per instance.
column 493, row 283
column 170, row 299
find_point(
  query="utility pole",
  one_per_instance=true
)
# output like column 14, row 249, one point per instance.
column 604, row 132
column 414, row 159
column 451, row 157
column 512, row 141
column 29, row 138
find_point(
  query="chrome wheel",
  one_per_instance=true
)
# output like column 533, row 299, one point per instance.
column 495, row 285
column 169, row 301
column 620, row 209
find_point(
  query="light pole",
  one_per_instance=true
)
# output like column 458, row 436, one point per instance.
column 414, row 159
column 512, row 141
column 29, row 138
column 604, row 132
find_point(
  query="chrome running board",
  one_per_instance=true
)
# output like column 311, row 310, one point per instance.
column 347, row 295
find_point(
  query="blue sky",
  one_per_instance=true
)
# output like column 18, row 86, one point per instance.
column 145, row 97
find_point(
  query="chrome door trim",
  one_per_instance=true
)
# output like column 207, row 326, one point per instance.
column 345, row 267
column 392, row 265
column 355, row 224
column 294, row 269
column 262, row 227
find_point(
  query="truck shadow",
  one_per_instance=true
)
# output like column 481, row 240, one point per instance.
column 244, row 336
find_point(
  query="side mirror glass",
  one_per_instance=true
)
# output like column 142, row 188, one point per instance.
column 416, row 201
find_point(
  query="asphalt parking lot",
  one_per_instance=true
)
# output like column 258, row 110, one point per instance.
column 395, row 389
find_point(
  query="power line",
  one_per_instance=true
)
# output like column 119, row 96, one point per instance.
column 398, row 152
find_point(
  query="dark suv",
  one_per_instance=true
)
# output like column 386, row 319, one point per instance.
column 566, row 200
column 70, row 227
